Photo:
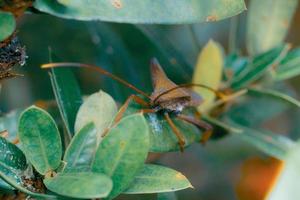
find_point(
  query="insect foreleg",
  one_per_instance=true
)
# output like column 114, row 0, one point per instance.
column 179, row 135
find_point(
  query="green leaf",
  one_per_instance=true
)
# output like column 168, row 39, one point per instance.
column 17, row 185
column 259, row 65
column 146, row 11
column 247, row 111
column 234, row 66
column 289, row 67
column 122, row 153
column 99, row 108
column 270, row 143
column 268, row 22
column 85, row 185
column 12, row 162
column 162, row 137
column 276, row 94
column 81, row 150
column 157, row 179
column 68, row 96
column 7, row 24
column 208, row 71
column 40, row 139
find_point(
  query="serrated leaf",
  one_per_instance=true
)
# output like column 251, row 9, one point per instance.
column 99, row 108
column 147, row 11
column 157, row 179
column 85, row 185
column 7, row 24
column 12, row 162
column 68, row 96
column 40, row 139
column 266, row 30
column 122, row 153
column 259, row 66
column 208, row 72
column 82, row 149
column 289, row 67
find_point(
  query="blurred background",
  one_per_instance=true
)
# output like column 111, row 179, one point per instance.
column 125, row 50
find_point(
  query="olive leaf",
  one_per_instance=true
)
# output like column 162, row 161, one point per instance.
column 157, row 179
column 122, row 152
column 40, row 139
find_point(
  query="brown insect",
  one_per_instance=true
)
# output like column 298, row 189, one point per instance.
column 167, row 98
column 11, row 54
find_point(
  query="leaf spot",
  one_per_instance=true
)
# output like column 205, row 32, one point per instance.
column 211, row 18
column 122, row 144
column 117, row 4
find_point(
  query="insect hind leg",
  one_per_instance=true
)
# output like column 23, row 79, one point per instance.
column 200, row 124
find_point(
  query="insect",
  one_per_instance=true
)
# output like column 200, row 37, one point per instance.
column 167, row 98
column 11, row 54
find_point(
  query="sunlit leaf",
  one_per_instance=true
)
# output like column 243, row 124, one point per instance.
column 68, row 96
column 99, row 108
column 40, row 139
column 147, row 11
column 7, row 24
column 208, row 72
column 122, row 153
column 85, row 185
column 266, row 30
column 157, row 179
column 81, row 150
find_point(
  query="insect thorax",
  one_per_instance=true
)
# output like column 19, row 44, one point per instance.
column 172, row 106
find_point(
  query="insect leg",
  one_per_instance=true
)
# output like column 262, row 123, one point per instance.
column 124, row 107
column 200, row 124
column 180, row 137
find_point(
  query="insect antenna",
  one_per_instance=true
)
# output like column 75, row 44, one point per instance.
column 95, row 68
column 187, row 85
